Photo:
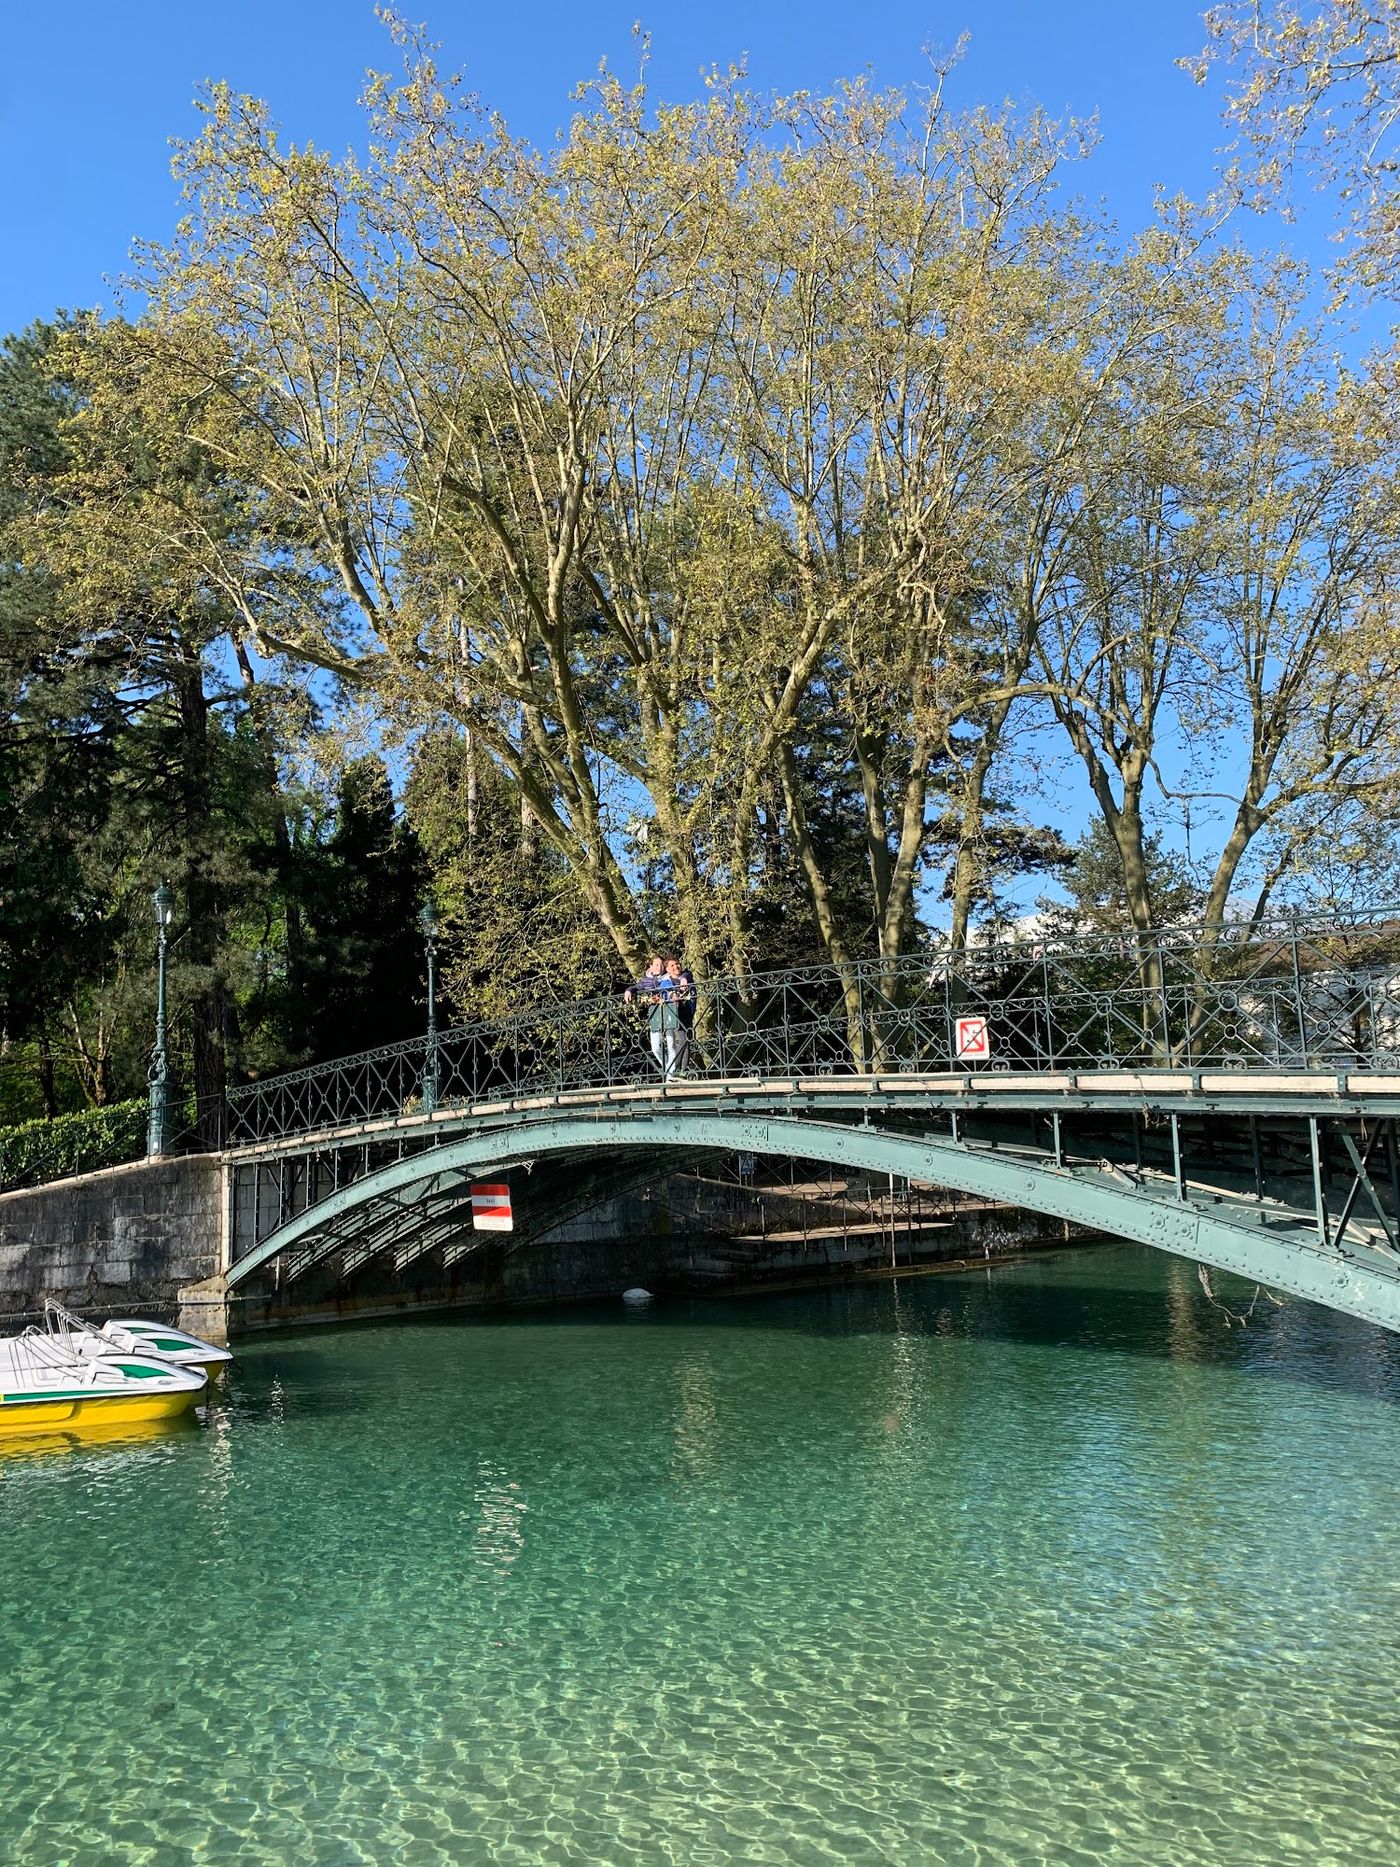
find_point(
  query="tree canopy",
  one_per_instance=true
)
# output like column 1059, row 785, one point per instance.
column 720, row 530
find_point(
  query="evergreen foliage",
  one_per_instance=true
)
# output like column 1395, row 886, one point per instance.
column 1096, row 898
column 363, row 964
column 35, row 1151
column 517, row 930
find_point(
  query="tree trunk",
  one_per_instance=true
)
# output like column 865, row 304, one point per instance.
column 1129, row 835
column 1125, row 825
column 473, row 799
column 837, row 950
column 295, row 949
column 975, row 796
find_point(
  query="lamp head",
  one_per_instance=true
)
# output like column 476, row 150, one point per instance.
column 428, row 920
column 163, row 903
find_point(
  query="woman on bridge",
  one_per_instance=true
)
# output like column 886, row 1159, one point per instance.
column 648, row 991
column 682, row 986
column 662, row 990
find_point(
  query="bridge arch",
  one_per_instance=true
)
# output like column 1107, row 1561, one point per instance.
column 1285, row 1257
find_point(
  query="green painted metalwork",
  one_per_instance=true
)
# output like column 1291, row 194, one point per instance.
column 1243, row 1094
column 1282, row 1022
column 1267, row 1244
column 158, row 1076
column 1281, row 997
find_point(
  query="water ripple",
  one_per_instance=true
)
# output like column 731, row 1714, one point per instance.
column 1044, row 1565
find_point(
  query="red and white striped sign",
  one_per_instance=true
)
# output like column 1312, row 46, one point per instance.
column 973, row 1040
column 491, row 1209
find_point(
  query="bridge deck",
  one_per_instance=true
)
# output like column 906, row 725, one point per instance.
column 1258, row 1092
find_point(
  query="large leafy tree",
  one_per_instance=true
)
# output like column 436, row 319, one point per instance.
column 1220, row 580
column 58, row 907
column 631, row 456
column 134, row 620
column 517, row 929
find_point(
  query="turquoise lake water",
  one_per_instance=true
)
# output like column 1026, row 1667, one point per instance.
column 1042, row 1564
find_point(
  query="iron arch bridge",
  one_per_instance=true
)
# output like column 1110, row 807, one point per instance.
column 1228, row 1095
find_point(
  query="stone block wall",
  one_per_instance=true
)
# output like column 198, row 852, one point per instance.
column 125, row 1238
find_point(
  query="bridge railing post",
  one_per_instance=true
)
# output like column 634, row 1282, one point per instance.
column 951, row 996
column 1299, row 1005
column 612, row 1034
column 865, row 1035
column 1163, row 1000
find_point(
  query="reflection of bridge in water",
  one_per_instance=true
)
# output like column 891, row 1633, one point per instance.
column 1230, row 1096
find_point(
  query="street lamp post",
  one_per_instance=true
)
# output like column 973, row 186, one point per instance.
column 428, row 921
column 157, row 1077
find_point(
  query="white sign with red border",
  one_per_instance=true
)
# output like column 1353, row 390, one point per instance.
column 491, row 1209
column 972, row 1041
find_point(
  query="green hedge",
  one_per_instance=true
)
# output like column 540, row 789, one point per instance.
column 36, row 1151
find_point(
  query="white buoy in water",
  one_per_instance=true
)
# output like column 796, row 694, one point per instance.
column 637, row 1296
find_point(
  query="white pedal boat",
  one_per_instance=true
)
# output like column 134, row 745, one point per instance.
column 46, row 1389
column 127, row 1335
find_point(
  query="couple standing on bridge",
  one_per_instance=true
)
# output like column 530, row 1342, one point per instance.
column 666, row 991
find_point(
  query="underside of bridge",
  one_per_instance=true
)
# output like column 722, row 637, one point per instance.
column 1260, row 1197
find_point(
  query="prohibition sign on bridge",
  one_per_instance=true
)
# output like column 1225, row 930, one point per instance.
column 972, row 1041
column 491, row 1209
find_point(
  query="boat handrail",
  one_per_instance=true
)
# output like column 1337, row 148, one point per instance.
column 35, row 1351
column 61, row 1321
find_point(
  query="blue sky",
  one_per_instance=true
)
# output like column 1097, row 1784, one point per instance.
column 91, row 93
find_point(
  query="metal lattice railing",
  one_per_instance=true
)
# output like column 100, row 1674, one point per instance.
column 1284, row 995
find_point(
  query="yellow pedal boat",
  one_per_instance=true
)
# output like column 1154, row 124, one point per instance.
column 44, row 1388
